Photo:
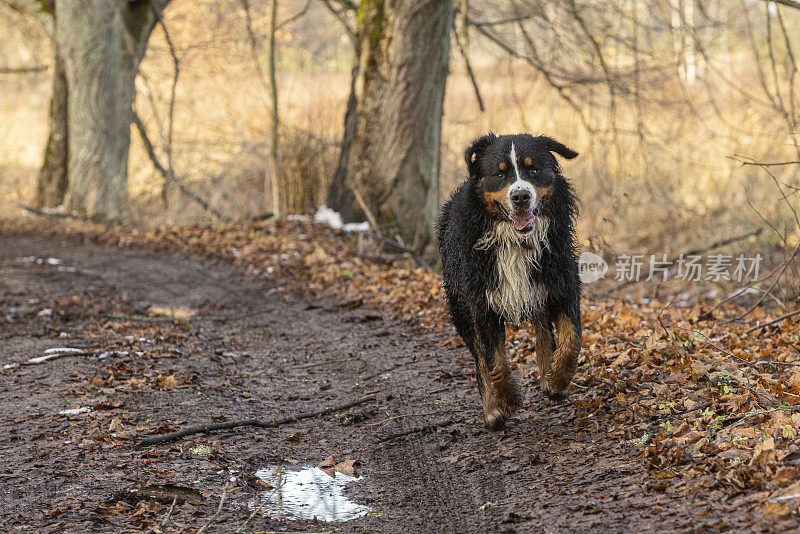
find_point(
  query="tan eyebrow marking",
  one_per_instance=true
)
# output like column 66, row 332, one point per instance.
column 527, row 161
column 502, row 166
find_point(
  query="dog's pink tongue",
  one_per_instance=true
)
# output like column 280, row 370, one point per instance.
column 521, row 220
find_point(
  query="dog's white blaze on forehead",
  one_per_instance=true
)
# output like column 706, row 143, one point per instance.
column 513, row 157
column 520, row 183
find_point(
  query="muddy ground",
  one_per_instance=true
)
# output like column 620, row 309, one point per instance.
column 261, row 348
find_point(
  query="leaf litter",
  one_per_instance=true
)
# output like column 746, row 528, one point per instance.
column 704, row 402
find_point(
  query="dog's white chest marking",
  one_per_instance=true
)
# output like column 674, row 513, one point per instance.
column 515, row 295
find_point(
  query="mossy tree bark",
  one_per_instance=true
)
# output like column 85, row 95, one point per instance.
column 98, row 45
column 52, row 184
column 389, row 161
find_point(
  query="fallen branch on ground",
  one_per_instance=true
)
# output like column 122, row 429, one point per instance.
column 167, row 518
column 426, row 428
column 57, row 215
column 772, row 322
column 205, row 429
column 396, row 244
column 400, row 417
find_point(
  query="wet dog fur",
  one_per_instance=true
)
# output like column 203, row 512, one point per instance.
column 507, row 243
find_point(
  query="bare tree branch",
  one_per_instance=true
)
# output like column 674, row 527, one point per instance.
column 462, row 40
column 341, row 15
column 167, row 174
column 788, row 3
column 24, row 70
column 295, row 16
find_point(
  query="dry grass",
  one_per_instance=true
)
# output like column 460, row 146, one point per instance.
column 677, row 189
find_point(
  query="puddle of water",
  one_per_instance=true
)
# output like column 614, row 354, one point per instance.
column 307, row 494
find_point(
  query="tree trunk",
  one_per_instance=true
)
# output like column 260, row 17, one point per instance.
column 102, row 43
column 389, row 161
column 274, row 186
column 52, row 184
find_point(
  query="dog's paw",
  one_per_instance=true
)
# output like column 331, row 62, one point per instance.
column 553, row 393
column 510, row 399
column 558, row 396
column 514, row 403
column 494, row 420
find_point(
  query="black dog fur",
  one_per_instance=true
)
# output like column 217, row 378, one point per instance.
column 481, row 262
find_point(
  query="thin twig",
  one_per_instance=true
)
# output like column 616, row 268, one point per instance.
column 661, row 311
column 219, row 509
column 414, row 254
column 712, row 345
column 295, row 16
column 327, row 362
column 769, row 289
column 400, row 417
column 740, row 417
column 462, row 41
column 764, row 164
column 169, row 512
column 512, row 20
column 23, row 70
column 176, row 73
column 205, row 429
column 737, row 293
column 656, row 422
column 257, row 509
column 776, row 320
column 770, row 362
column 168, row 176
column 425, row 428
column 787, row 3
column 367, row 212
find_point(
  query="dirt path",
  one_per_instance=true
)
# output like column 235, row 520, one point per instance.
column 258, row 348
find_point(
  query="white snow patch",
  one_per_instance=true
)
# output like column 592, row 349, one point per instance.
column 356, row 227
column 57, row 352
column 63, row 350
column 75, row 411
column 325, row 215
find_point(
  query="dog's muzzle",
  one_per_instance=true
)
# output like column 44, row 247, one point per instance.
column 524, row 205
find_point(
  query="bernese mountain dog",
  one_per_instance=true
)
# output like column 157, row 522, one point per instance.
column 507, row 243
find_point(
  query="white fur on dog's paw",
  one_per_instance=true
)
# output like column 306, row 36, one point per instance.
column 494, row 420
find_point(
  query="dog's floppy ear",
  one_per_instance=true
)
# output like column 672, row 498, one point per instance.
column 559, row 148
column 475, row 151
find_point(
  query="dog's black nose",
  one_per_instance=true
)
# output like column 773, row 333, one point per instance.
column 520, row 197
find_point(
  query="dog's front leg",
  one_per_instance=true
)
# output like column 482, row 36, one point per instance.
column 545, row 346
column 564, row 359
column 500, row 394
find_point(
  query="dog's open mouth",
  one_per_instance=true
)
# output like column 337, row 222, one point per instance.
column 522, row 221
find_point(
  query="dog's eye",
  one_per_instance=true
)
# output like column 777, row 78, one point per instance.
column 534, row 172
